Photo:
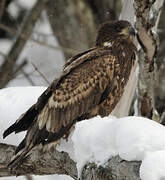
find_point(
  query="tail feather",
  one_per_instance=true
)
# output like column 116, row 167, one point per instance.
column 34, row 137
column 19, row 158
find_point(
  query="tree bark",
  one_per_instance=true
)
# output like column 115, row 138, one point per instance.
column 146, row 19
column 38, row 163
column 54, row 162
column 115, row 169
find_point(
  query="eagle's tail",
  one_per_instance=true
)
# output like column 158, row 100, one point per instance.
column 19, row 158
column 32, row 138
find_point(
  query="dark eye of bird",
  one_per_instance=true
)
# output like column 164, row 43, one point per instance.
column 118, row 29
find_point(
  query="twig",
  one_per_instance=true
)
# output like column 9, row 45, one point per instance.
column 64, row 49
column 20, row 67
column 28, row 77
column 7, row 67
column 41, row 74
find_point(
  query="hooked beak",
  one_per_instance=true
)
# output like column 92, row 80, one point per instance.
column 132, row 31
column 129, row 31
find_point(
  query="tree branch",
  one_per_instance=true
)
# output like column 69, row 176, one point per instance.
column 38, row 163
column 6, row 68
column 114, row 169
column 42, row 43
column 54, row 162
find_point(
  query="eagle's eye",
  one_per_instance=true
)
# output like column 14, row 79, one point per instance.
column 118, row 29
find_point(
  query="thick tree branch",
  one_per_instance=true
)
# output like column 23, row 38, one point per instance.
column 115, row 169
column 38, row 163
column 145, row 12
column 6, row 68
column 54, row 162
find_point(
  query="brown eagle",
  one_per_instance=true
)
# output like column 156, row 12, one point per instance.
column 91, row 84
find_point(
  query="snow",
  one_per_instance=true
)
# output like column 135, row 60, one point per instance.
column 98, row 139
column 13, row 102
column 94, row 141
column 132, row 138
column 153, row 162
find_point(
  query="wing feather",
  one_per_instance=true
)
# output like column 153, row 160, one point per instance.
column 75, row 96
column 69, row 98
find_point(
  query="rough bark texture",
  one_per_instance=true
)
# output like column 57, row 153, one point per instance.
column 6, row 69
column 54, row 162
column 115, row 169
column 145, row 11
column 38, row 163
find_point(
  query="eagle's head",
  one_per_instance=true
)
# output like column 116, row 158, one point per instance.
column 116, row 31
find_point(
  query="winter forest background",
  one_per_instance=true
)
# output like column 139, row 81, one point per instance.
column 36, row 39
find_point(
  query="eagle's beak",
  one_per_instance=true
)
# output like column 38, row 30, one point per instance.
column 132, row 31
column 129, row 31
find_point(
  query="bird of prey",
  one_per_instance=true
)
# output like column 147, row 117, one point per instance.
column 91, row 84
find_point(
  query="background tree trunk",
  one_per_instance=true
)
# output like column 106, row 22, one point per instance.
column 147, row 15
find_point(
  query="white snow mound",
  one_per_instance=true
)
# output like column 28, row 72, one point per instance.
column 98, row 139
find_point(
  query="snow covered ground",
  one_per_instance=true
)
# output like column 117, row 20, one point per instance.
column 132, row 138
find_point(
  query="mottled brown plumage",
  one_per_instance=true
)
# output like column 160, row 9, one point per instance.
column 91, row 84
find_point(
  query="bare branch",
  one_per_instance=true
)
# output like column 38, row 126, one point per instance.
column 7, row 66
column 27, row 76
column 12, row 31
column 114, row 169
column 38, row 163
column 40, row 73
column 54, row 162
column 20, row 67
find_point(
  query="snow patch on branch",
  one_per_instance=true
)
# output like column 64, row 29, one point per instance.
column 98, row 139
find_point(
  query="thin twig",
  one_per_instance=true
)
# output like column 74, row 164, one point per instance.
column 28, row 77
column 14, row 32
column 6, row 68
column 20, row 66
column 41, row 74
